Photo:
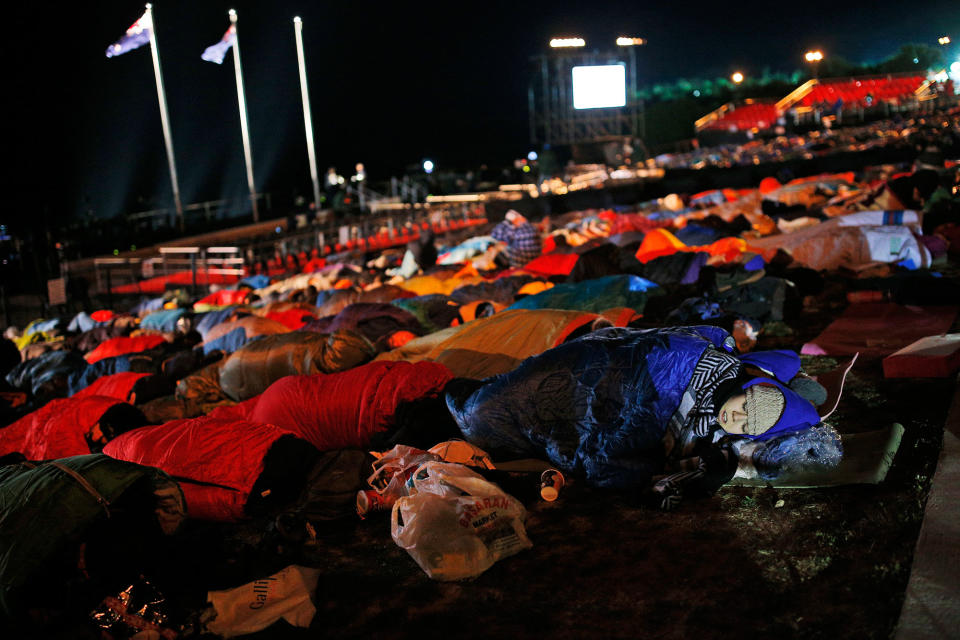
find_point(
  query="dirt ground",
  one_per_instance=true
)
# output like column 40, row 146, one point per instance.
column 800, row 563
column 827, row 563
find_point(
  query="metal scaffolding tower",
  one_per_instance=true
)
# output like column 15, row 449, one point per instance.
column 553, row 118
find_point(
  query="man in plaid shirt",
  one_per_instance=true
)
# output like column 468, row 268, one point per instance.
column 522, row 239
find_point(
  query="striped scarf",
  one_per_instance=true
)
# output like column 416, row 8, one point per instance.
column 695, row 418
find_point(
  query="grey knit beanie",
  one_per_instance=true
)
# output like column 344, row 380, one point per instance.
column 765, row 405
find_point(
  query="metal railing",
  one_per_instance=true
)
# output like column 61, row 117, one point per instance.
column 199, row 211
column 209, row 263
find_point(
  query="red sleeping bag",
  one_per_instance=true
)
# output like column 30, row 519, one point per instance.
column 103, row 315
column 239, row 411
column 345, row 409
column 293, row 319
column 58, row 429
column 552, row 264
column 121, row 345
column 117, row 385
column 223, row 298
column 216, row 460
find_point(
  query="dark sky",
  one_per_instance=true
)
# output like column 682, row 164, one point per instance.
column 391, row 83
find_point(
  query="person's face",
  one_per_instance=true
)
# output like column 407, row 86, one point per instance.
column 733, row 414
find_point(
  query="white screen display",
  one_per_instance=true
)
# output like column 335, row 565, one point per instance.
column 599, row 86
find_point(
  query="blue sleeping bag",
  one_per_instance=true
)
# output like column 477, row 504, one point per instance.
column 164, row 320
column 87, row 375
column 228, row 342
column 597, row 406
column 203, row 322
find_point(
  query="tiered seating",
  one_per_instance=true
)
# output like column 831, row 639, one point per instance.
column 854, row 92
column 746, row 117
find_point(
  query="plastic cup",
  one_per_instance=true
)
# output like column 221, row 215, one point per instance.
column 551, row 481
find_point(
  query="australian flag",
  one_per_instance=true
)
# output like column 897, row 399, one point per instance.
column 136, row 36
column 216, row 53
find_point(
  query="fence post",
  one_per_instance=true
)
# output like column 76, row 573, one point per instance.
column 109, row 289
column 193, row 269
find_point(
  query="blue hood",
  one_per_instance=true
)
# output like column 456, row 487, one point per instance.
column 798, row 413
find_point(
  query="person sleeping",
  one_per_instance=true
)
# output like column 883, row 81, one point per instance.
column 667, row 412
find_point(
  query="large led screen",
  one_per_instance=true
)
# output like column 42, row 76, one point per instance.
column 599, row 86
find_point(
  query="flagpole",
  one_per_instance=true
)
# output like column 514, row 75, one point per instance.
column 241, row 100
column 307, row 120
column 165, row 119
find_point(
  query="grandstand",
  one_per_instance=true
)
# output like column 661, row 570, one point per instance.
column 816, row 97
column 864, row 92
column 749, row 116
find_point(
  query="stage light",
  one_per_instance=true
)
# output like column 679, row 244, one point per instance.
column 630, row 42
column 737, row 77
column 532, row 156
column 955, row 67
column 428, row 166
column 558, row 43
column 944, row 40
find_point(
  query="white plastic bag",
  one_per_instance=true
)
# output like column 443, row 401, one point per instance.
column 393, row 468
column 456, row 524
column 258, row 604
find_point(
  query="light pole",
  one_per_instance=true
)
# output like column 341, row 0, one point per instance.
column 814, row 58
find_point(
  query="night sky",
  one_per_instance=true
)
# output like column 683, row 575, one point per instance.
column 391, row 84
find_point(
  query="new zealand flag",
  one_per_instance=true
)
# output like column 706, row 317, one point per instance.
column 136, row 36
column 216, row 52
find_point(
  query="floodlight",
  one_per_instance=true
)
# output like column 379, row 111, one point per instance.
column 428, row 166
column 558, row 43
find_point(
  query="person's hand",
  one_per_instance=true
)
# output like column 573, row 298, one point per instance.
column 665, row 495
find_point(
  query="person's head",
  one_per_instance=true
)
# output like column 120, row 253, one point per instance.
column 764, row 408
column 119, row 418
column 753, row 412
column 925, row 181
column 184, row 324
column 515, row 217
